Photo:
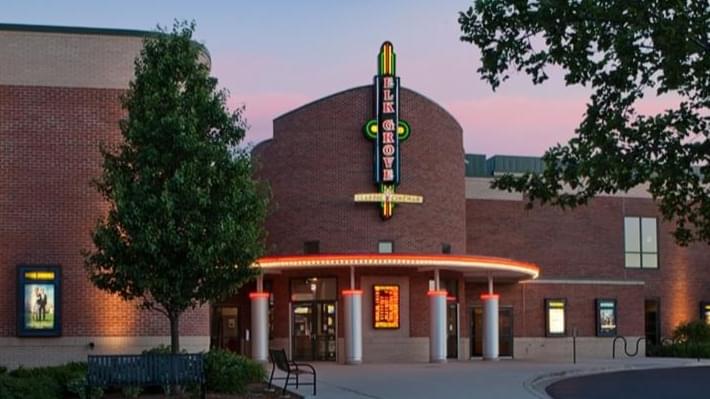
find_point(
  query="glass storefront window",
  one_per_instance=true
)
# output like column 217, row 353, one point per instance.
column 314, row 289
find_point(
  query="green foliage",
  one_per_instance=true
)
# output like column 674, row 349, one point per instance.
column 60, row 376
column 131, row 392
column 694, row 332
column 701, row 350
column 36, row 387
column 77, row 386
column 621, row 50
column 230, row 373
column 3, row 370
column 186, row 218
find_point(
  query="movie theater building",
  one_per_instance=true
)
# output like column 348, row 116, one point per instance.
column 385, row 242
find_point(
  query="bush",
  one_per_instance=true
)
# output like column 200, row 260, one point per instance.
column 77, row 386
column 694, row 332
column 230, row 373
column 683, row 349
column 37, row 387
column 59, row 375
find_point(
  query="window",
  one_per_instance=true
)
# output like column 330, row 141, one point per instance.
column 555, row 317
column 641, row 243
column 314, row 289
column 606, row 317
column 385, row 247
column 311, row 247
column 445, row 248
column 705, row 312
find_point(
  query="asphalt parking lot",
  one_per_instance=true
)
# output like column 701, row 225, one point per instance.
column 670, row 383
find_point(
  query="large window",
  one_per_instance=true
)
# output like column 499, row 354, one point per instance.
column 640, row 243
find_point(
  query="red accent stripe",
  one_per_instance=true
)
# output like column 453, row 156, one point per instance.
column 255, row 295
column 352, row 292
column 437, row 293
column 489, row 296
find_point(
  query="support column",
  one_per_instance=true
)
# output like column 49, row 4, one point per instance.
column 352, row 300
column 437, row 326
column 490, row 326
column 259, row 326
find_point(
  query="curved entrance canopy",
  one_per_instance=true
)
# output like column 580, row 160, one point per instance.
column 470, row 265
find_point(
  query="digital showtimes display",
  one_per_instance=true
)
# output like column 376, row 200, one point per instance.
column 386, row 306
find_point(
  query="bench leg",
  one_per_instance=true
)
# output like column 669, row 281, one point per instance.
column 203, row 389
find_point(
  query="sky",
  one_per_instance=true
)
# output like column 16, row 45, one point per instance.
column 274, row 56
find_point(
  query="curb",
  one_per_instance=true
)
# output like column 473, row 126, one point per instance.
column 536, row 386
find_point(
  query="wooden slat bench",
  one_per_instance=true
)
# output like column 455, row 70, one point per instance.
column 145, row 370
column 280, row 361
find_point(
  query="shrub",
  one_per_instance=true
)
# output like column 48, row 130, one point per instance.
column 59, row 375
column 231, row 373
column 695, row 332
column 38, row 387
column 77, row 386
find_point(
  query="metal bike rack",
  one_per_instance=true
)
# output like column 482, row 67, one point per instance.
column 626, row 351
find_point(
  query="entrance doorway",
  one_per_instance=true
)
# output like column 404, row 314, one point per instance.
column 314, row 332
column 225, row 328
column 652, row 321
column 505, row 331
column 452, row 330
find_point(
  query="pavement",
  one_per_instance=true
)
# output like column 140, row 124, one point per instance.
column 676, row 383
column 504, row 379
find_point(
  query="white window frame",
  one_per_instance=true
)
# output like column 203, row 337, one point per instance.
column 641, row 252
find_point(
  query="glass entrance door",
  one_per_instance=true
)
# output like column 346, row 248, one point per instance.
column 314, row 332
column 505, row 331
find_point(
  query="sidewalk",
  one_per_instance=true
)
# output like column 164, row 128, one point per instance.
column 504, row 379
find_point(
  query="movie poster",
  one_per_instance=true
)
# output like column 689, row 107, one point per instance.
column 555, row 317
column 606, row 317
column 38, row 301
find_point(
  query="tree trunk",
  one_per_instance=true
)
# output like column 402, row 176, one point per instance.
column 174, row 332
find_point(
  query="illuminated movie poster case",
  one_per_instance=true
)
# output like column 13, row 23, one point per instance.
column 606, row 317
column 39, row 301
column 386, row 306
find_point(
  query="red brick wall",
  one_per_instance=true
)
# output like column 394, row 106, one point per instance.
column 319, row 158
column 588, row 242
column 528, row 302
column 49, row 152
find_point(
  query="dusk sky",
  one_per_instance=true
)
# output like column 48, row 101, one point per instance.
column 274, row 56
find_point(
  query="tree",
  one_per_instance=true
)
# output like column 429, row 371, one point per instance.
column 185, row 218
column 621, row 50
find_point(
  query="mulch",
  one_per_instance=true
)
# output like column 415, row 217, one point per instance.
column 254, row 391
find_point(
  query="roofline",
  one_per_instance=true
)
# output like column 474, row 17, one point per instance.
column 361, row 87
column 77, row 30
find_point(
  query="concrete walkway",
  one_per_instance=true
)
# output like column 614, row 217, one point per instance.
column 505, row 379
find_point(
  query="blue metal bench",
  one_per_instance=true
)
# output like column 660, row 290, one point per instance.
column 280, row 361
column 145, row 370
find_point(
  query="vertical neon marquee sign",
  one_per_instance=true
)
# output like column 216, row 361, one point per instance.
column 387, row 130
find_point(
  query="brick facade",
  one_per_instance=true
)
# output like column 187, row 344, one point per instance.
column 49, row 153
